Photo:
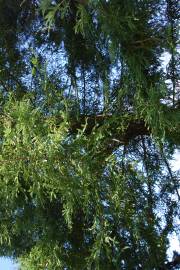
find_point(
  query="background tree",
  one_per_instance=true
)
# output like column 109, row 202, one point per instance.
column 89, row 124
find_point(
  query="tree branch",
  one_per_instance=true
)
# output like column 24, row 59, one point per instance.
column 133, row 129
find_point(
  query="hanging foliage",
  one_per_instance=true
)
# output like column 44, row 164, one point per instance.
column 88, row 128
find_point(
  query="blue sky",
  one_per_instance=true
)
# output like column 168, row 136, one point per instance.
column 6, row 264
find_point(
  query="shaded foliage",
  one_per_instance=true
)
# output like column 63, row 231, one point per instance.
column 89, row 124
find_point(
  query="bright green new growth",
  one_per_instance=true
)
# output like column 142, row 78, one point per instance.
column 89, row 125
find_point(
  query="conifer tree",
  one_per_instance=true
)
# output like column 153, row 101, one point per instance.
column 90, row 120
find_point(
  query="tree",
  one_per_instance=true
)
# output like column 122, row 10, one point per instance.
column 89, row 125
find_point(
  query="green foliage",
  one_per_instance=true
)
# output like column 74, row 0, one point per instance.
column 49, row 11
column 88, row 127
column 39, row 258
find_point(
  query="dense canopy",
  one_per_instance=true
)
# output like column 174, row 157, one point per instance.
column 90, row 120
